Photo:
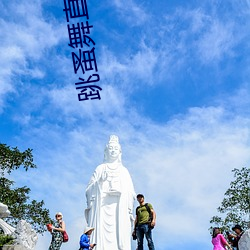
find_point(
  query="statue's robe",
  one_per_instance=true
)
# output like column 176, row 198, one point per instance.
column 110, row 197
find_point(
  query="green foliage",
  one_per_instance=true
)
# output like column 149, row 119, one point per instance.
column 235, row 206
column 6, row 240
column 12, row 159
column 17, row 199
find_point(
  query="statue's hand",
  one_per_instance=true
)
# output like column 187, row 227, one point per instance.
column 132, row 217
column 90, row 204
column 90, row 201
column 104, row 176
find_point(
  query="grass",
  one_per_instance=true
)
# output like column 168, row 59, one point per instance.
column 6, row 240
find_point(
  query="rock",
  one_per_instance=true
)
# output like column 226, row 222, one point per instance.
column 244, row 242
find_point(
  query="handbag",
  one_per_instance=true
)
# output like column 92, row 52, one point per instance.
column 65, row 236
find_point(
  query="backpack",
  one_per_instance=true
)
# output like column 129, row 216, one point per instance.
column 149, row 212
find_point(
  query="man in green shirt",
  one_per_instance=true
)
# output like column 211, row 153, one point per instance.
column 144, row 223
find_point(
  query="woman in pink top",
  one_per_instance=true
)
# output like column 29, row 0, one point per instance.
column 218, row 240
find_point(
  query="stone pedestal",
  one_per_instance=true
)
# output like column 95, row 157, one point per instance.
column 13, row 247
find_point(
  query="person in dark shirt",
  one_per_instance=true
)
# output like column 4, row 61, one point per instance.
column 236, row 237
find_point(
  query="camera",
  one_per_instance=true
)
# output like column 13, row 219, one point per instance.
column 134, row 235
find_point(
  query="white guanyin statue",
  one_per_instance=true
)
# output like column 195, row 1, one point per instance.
column 110, row 198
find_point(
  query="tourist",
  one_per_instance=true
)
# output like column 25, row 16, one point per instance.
column 144, row 223
column 218, row 240
column 239, row 231
column 56, row 231
column 85, row 239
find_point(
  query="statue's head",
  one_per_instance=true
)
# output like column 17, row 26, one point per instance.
column 113, row 150
column 4, row 211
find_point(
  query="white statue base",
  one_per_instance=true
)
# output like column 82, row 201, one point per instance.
column 13, row 247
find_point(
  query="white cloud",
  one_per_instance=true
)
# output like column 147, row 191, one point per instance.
column 239, row 101
column 198, row 19
column 127, row 70
column 143, row 64
column 198, row 33
column 23, row 40
column 217, row 42
column 66, row 100
column 131, row 12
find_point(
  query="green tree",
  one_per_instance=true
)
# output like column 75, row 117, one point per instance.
column 235, row 207
column 17, row 199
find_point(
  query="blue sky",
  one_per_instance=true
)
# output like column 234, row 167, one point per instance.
column 175, row 89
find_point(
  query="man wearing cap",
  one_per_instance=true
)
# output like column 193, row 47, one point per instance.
column 239, row 231
column 84, row 240
column 142, row 224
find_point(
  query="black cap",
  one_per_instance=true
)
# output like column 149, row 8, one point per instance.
column 237, row 227
column 139, row 196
